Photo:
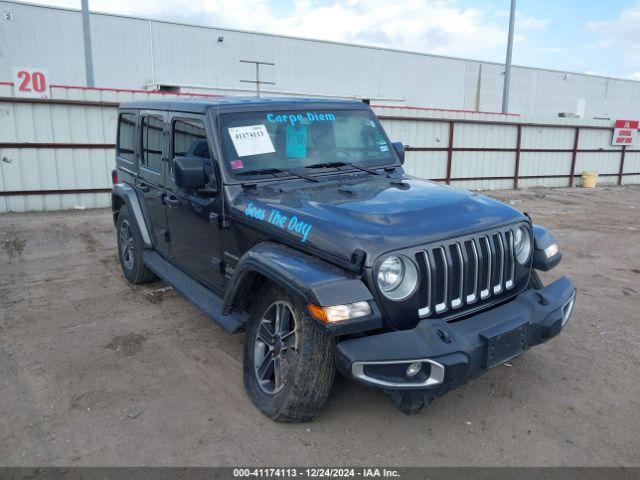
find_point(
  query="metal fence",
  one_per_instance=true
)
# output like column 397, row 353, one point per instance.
column 58, row 153
column 508, row 152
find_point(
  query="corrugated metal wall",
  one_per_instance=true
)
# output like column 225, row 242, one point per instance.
column 132, row 52
column 485, row 148
column 59, row 154
column 72, row 148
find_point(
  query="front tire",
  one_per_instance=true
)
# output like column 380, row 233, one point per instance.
column 288, row 358
column 130, row 249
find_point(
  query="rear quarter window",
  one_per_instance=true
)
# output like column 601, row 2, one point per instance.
column 127, row 136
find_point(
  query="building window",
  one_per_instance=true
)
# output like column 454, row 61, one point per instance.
column 152, row 142
column 127, row 136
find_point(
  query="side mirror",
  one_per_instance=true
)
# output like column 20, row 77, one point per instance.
column 399, row 148
column 189, row 172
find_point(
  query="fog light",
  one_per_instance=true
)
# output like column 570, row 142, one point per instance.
column 414, row 369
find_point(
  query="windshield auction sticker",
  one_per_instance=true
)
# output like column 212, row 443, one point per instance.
column 251, row 140
column 296, row 142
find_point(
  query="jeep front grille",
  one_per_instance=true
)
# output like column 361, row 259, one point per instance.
column 465, row 271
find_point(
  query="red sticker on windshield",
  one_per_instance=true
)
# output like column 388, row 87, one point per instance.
column 236, row 164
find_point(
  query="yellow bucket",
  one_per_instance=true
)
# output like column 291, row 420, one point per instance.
column 589, row 179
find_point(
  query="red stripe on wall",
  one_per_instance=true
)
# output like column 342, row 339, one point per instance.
column 54, row 192
column 126, row 90
column 90, row 146
column 454, row 110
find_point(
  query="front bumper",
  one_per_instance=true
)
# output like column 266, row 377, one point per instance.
column 451, row 354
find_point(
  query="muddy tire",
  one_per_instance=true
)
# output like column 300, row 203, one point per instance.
column 534, row 281
column 288, row 358
column 130, row 249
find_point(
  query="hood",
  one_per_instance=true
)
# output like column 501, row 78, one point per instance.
column 374, row 214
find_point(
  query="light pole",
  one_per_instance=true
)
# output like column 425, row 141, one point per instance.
column 86, row 35
column 507, row 63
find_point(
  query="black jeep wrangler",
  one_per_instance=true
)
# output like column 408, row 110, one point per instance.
column 293, row 219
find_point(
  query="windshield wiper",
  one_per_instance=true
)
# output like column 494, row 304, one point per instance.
column 326, row 165
column 260, row 171
column 342, row 164
column 273, row 171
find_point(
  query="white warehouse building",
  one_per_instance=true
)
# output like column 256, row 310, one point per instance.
column 140, row 53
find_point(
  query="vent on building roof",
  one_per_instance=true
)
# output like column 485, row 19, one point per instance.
column 159, row 87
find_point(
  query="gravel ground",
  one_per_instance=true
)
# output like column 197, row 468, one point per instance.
column 94, row 371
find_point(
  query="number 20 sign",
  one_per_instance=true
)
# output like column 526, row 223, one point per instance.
column 30, row 82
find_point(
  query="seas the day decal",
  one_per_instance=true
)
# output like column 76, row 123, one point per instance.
column 275, row 217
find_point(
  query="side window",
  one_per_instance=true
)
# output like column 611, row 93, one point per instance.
column 190, row 140
column 127, row 136
column 152, row 142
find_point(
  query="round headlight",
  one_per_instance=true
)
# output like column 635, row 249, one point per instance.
column 390, row 274
column 397, row 277
column 522, row 245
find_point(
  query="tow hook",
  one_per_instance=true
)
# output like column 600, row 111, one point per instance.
column 409, row 403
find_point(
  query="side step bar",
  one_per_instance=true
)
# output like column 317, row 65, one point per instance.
column 196, row 293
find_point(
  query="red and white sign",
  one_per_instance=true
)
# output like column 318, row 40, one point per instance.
column 31, row 82
column 625, row 132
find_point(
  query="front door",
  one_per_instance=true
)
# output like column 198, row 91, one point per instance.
column 150, row 180
column 193, row 219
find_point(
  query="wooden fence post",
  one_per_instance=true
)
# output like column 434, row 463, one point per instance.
column 449, row 153
column 574, row 154
column 621, row 171
column 516, row 173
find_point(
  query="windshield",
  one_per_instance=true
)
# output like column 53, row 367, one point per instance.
column 272, row 141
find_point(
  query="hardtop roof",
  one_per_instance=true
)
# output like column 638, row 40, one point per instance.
column 201, row 105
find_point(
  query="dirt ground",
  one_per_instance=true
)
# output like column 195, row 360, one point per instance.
column 94, row 371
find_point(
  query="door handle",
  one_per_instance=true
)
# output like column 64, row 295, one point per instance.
column 143, row 187
column 172, row 201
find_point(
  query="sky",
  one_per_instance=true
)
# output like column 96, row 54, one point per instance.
column 599, row 37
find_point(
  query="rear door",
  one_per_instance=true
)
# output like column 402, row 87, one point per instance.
column 150, row 181
column 193, row 219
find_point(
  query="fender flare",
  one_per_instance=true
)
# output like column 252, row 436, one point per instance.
column 307, row 277
column 128, row 196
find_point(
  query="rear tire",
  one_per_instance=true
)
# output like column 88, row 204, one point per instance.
column 288, row 363
column 130, row 249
